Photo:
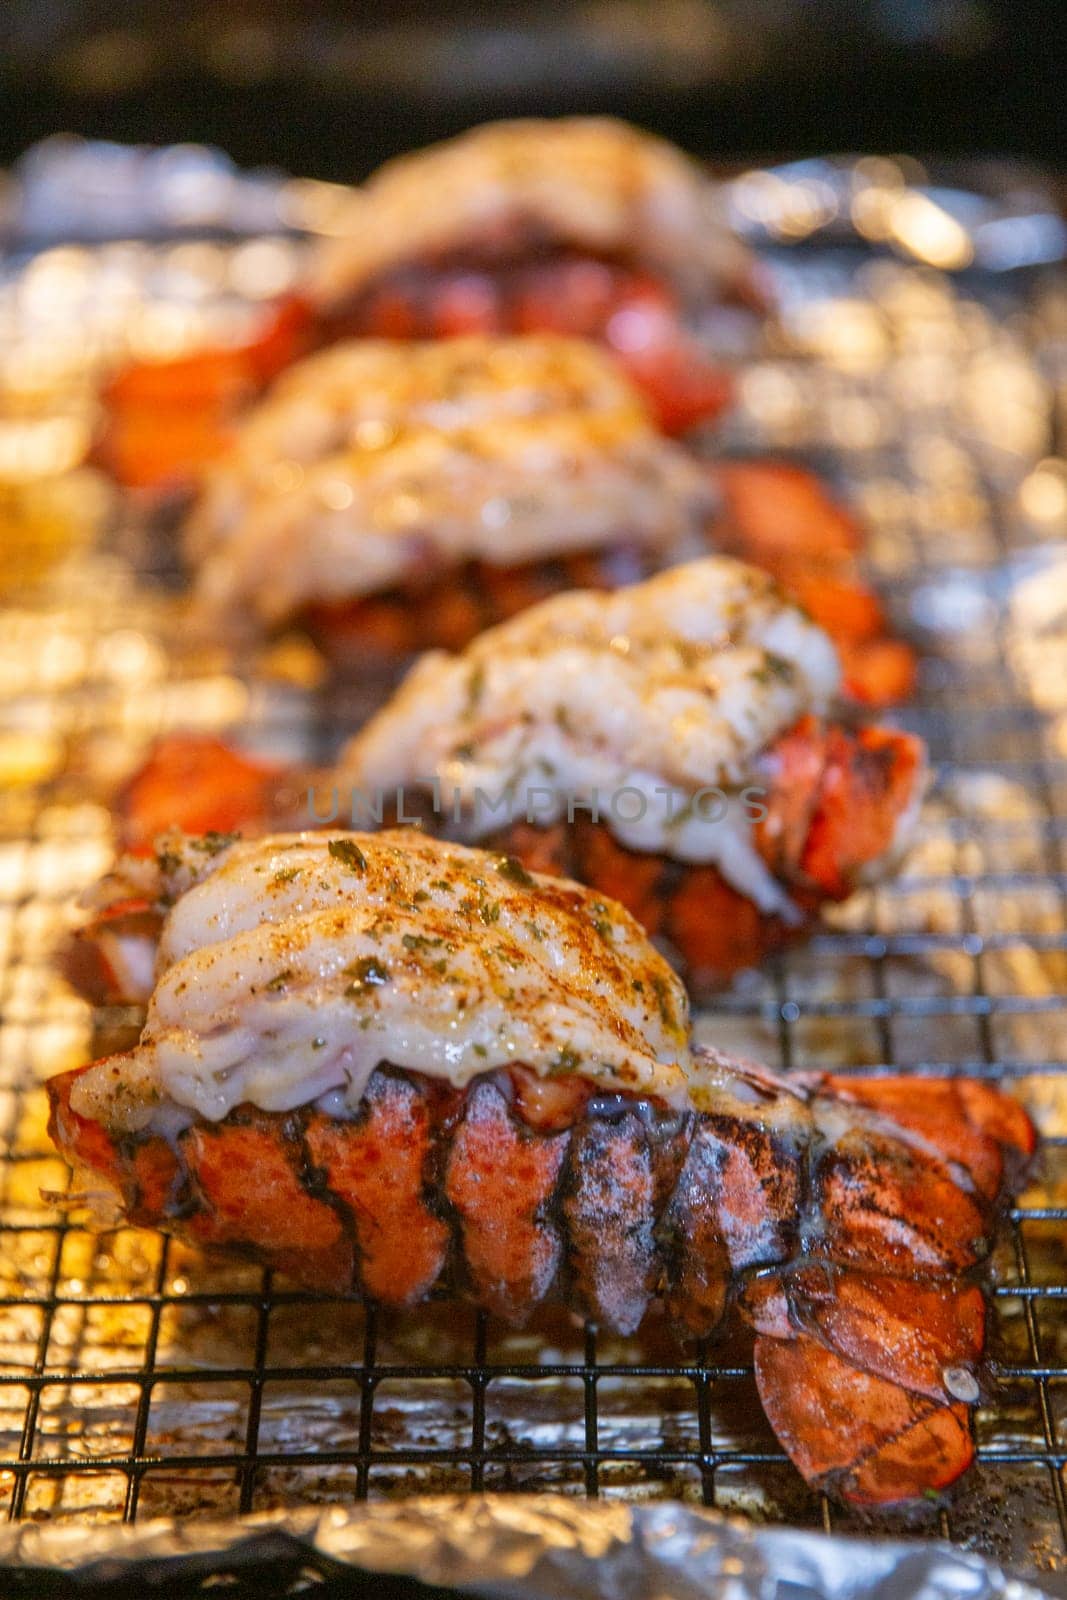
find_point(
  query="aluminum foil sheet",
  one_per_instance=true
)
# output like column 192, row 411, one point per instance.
column 526, row 1548
column 139, row 1380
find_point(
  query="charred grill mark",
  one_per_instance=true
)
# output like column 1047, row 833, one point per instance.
column 697, row 1276
column 607, row 1206
column 624, row 1168
column 757, row 1180
column 884, row 1206
column 314, row 1178
column 154, row 1180
column 940, row 1122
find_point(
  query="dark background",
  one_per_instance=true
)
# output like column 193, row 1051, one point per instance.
column 325, row 88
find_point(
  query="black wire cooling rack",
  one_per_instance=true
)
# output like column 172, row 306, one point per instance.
column 137, row 1378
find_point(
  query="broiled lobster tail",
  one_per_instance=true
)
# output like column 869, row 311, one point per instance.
column 841, row 1218
column 837, row 804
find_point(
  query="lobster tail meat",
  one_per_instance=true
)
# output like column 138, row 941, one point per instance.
column 377, row 472
column 668, row 745
column 394, row 1066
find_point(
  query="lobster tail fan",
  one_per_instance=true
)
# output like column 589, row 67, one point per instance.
column 861, row 1437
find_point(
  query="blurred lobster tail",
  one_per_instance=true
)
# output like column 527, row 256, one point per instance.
column 637, row 315
column 841, row 1217
column 782, row 518
column 201, row 784
column 165, row 419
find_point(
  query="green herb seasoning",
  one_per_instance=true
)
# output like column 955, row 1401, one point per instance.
column 661, row 990
column 475, row 685
column 774, row 669
column 368, row 973
column 567, row 1061
column 214, row 843
column 349, row 854
column 511, row 867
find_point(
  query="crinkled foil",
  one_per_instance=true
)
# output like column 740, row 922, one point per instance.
column 531, row 1548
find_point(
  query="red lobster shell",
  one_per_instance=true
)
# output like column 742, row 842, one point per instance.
column 840, row 1217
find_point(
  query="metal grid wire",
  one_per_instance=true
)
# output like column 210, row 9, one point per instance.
column 137, row 1378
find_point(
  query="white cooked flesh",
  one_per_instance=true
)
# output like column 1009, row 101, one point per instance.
column 291, row 966
column 591, row 182
column 376, row 463
column 667, row 687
